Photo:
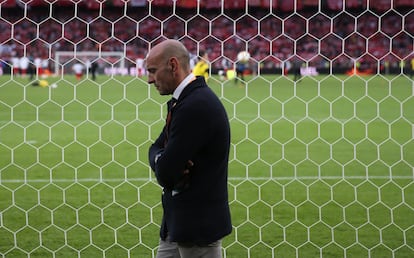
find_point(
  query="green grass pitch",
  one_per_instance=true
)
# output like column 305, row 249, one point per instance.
column 319, row 168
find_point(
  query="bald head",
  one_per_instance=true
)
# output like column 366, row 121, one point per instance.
column 168, row 63
column 172, row 48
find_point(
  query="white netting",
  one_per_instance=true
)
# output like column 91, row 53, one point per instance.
column 322, row 127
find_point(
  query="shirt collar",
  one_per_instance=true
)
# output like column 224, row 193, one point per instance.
column 183, row 84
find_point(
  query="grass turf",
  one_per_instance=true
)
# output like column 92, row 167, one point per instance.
column 320, row 167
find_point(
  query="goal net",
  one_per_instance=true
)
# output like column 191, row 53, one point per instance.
column 322, row 124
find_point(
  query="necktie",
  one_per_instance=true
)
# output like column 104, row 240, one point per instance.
column 170, row 106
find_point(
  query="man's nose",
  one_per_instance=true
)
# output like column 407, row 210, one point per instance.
column 150, row 79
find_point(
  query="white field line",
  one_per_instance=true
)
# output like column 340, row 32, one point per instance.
column 230, row 179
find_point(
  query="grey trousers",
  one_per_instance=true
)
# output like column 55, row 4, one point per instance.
column 169, row 249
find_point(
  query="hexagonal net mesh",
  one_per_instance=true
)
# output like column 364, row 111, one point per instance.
column 322, row 119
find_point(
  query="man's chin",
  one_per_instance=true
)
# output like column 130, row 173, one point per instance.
column 163, row 92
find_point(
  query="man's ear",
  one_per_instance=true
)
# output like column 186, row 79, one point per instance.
column 173, row 64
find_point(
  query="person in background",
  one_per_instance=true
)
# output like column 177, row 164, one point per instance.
column 15, row 61
column 92, row 69
column 31, row 70
column 296, row 65
column 78, row 70
column 24, row 65
column 140, row 66
column 202, row 68
column 242, row 63
column 189, row 158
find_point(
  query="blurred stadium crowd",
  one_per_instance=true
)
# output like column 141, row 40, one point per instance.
column 331, row 36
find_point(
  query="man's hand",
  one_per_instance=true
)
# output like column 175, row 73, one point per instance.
column 184, row 182
column 189, row 165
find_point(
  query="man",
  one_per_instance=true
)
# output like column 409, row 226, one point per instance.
column 15, row 60
column 189, row 158
column 202, row 68
column 78, row 70
column 24, row 65
column 240, row 69
column 140, row 66
column 296, row 65
column 93, row 68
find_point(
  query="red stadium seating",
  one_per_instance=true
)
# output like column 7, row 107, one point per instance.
column 373, row 35
column 286, row 5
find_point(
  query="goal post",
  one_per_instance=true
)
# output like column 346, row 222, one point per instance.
column 111, row 62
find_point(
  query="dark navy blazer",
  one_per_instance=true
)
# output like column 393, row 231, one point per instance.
column 195, row 205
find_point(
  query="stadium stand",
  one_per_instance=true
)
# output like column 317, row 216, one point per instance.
column 321, row 163
column 280, row 37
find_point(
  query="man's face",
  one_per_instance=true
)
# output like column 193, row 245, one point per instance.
column 160, row 74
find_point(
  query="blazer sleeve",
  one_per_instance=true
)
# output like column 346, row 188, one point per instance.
column 188, row 134
column 156, row 149
column 169, row 161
